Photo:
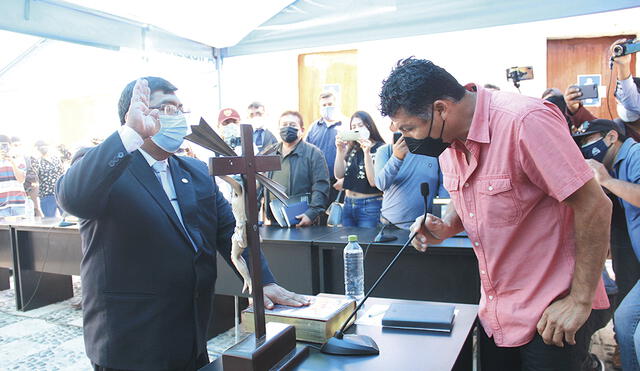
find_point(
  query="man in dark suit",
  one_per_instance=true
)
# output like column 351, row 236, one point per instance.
column 151, row 223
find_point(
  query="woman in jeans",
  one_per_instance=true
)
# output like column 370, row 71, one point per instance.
column 354, row 163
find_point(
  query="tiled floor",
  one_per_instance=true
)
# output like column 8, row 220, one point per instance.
column 50, row 338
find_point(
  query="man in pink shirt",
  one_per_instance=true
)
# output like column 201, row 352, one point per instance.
column 538, row 221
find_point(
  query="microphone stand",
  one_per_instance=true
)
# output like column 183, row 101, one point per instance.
column 342, row 344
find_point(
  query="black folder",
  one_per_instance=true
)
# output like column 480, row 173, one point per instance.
column 420, row 316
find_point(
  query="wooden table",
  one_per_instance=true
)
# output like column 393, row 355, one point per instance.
column 401, row 349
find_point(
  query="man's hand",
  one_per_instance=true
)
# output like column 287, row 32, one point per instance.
column 430, row 232
column 599, row 171
column 623, row 63
column 571, row 96
column 275, row 294
column 140, row 118
column 304, row 221
column 400, row 149
column 561, row 320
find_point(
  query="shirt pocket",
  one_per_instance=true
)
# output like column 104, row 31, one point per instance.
column 497, row 202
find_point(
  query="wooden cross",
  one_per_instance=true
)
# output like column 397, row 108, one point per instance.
column 248, row 165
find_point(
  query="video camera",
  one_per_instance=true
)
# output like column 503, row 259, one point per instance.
column 628, row 47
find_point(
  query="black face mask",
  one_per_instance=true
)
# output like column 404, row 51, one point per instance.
column 428, row 146
column 289, row 134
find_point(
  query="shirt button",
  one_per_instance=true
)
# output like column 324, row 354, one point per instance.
column 483, row 272
column 466, row 185
column 476, row 243
column 120, row 155
column 471, row 215
column 490, row 188
column 490, row 297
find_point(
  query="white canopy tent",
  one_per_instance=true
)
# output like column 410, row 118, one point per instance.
column 202, row 33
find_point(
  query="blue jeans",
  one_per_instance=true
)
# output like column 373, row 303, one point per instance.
column 361, row 212
column 626, row 321
column 49, row 206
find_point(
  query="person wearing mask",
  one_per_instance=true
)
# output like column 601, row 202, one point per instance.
column 49, row 169
column 322, row 134
column 229, row 124
column 536, row 217
column 151, row 224
column 12, row 176
column 262, row 137
column 355, row 163
column 303, row 172
column 399, row 174
column 615, row 162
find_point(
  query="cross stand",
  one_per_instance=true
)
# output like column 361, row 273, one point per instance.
column 274, row 344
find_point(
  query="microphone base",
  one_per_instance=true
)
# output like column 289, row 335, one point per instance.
column 351, row 345
column 384, row 238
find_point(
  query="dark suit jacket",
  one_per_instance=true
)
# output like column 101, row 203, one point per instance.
column 146, row 292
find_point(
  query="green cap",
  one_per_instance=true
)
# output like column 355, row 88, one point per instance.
column 353, row 238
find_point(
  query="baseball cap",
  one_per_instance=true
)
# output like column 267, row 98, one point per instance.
column 596, row 126
column 226, row 114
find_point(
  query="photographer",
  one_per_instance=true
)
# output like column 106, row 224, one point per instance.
column 626, row 91
column 608, row 152
column 355, row 163
column 12, row 176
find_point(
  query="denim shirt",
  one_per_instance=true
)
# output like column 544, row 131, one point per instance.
column 400, row 181
column 627, row 168
column 323, row 136
column 628, row 95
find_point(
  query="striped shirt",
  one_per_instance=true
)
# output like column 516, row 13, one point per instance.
column 11, row 191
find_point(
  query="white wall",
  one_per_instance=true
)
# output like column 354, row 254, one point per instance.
column 480, row 55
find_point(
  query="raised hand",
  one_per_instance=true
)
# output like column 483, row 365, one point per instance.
column 140, row 118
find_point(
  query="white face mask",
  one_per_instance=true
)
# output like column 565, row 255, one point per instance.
column 173, row 129
column 626, row 115
column 230, row 131
column 257, row 122
column 329, row 113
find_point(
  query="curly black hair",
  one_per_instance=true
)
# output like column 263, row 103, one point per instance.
column 414, row 84
column 155, row 84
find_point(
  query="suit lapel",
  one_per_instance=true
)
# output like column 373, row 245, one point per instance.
column 144, row 174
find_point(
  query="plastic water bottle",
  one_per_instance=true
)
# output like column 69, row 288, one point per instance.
column 29, row 210
column 353, row 269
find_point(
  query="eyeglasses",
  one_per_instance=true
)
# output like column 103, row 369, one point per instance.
column 170, row 109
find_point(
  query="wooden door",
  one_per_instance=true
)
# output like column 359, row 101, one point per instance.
column 568, row 58
column 333, row 71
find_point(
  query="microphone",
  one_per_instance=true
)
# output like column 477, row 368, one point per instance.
column 626, row 48
column 353, row 345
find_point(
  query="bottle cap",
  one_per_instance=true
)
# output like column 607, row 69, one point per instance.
column 353, row 238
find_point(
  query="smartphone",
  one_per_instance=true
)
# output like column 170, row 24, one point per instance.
column 588, row 91
column 396, row 137
column 521, row 73
column 4, row 148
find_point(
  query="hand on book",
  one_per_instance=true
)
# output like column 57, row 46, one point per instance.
column 275, row 294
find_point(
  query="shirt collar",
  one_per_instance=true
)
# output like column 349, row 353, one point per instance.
column 479, row 129
column 624, row 150
column 322, row 122
column 149, row 158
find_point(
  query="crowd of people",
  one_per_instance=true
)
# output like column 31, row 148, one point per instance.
column 328, row 161
column 29, row 176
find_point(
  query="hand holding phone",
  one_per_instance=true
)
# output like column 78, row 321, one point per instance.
column 588, row 91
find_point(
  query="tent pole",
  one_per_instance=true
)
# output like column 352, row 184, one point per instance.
column 217, row 55
column 22, row 56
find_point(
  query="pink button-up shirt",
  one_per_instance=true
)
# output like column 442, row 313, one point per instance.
column 523, row 163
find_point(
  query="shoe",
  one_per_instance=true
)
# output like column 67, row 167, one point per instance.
column 595, row 363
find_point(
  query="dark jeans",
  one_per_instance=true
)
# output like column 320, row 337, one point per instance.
column 627, row 270
column 193, row 365
column 537, row 356
column 361, row 212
